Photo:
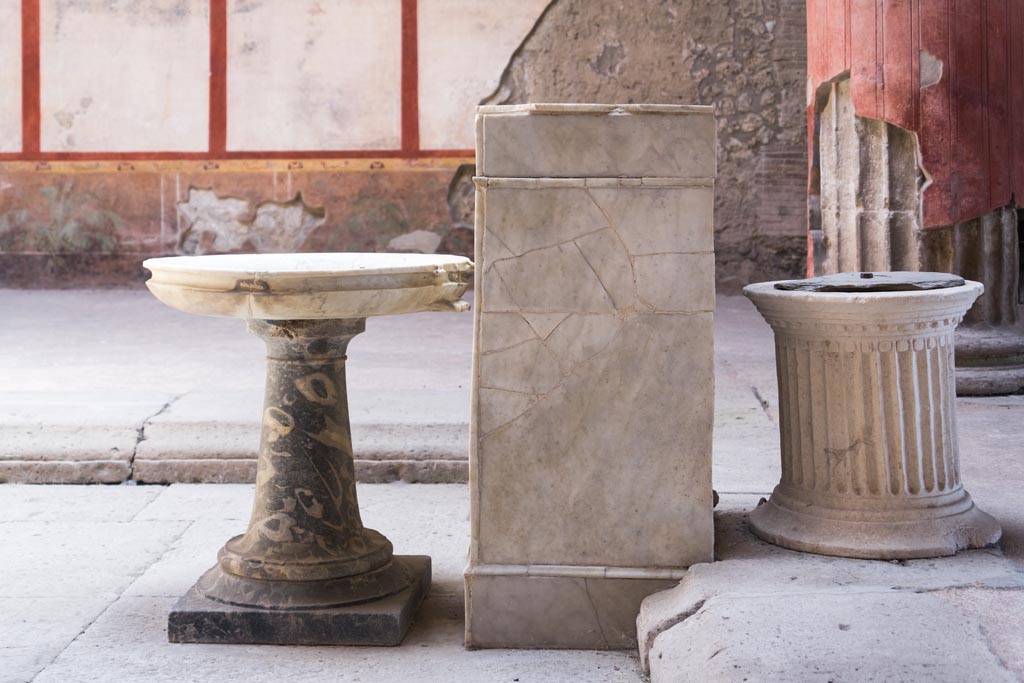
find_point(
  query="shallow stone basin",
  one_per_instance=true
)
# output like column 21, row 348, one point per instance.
column 310, row 286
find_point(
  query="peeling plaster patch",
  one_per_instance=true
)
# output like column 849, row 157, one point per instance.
column 223, row 224
column 931, row 69
column 417, row 241
column 609, row 62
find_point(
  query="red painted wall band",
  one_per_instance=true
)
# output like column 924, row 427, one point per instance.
column 410, row 79
column 218, row 77
column 30, row 108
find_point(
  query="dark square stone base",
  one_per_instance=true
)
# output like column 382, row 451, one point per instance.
column 196, row 619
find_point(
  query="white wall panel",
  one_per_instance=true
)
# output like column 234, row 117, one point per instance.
column 10, row 76
column 464, row 46
column 124, row 76
column 319, row 75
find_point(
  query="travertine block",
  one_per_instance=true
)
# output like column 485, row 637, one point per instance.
column 593, row 390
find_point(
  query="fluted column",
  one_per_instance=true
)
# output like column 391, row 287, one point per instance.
column 870, row 461
column 990, row 342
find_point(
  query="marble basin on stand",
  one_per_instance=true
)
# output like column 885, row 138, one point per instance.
column 306, row 571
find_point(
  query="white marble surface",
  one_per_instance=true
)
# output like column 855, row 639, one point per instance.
column 593, row 386
column 310, row 286
column 596, row 140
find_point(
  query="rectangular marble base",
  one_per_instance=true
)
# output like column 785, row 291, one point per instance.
column 196, row 619
column 556, row 611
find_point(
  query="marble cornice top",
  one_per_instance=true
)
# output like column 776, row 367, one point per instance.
column 625, row 182
column 310, row 286
column 540, row 108
column 897, row 311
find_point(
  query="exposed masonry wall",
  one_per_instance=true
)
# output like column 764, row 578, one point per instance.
column 747, row 58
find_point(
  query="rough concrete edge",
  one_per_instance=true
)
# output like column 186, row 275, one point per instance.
column 660, row 612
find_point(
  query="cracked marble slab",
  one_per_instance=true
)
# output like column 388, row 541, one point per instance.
column 593, row 389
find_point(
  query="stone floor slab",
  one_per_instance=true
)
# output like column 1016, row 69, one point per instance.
column 74, row 559
column 128, row 644
column 827, row 636
column 75, row 503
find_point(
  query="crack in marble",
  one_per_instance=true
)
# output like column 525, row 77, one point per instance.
column 565, row 316
column 629, row 255
column 501, row 243
column 492, row 352
column 554, row 245
column 594, row 271
column 565, row 377
column 597, row 613
column 537, row 397
column 511, row 391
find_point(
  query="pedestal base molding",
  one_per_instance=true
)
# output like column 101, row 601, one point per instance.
column 384, row 621
column 954, row 523
column 562, row 607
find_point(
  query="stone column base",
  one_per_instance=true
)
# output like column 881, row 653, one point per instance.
column 920, row 528
column 989, row 360
column 384, row 621
column 555, row 606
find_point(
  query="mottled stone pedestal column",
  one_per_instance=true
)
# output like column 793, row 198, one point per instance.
column 870, row 460
column 306, row 572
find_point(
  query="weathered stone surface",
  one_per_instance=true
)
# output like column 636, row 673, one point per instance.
column 198, row 419
column 779, row 588
column 593, row 358
column 74, row 503
column 827, row 636
column 870, row 452
column 226, row 224
column 72, row 437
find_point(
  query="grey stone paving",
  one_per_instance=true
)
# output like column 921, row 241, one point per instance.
column 88, row 573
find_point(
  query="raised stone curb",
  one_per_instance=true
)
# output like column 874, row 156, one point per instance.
column 778, row 609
